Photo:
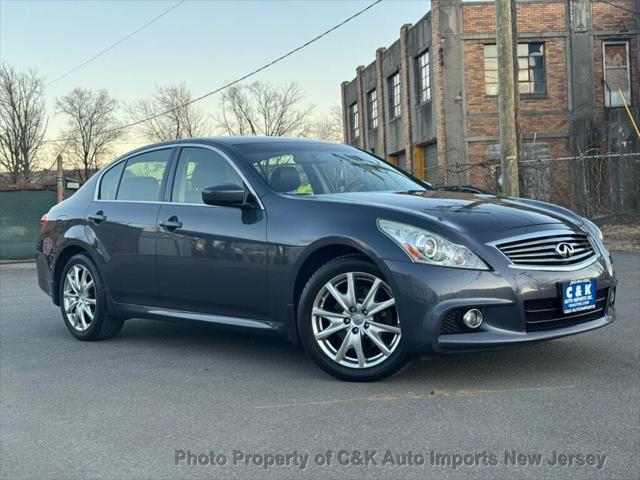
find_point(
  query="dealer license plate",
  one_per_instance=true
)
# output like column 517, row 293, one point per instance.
column 578, row 295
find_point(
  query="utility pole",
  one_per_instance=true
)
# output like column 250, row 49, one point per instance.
column 507, row 45
column 59, row 180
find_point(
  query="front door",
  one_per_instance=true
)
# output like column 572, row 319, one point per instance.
column 123, row 224
column 210, row 259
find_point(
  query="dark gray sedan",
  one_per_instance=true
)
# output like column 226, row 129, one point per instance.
column 323, row 244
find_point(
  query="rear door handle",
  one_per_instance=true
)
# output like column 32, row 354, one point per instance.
column 98, row 217
column 171, row 224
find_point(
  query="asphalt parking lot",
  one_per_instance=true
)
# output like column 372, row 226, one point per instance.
column 131, row 406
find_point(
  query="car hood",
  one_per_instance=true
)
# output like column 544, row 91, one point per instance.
column 467, row 212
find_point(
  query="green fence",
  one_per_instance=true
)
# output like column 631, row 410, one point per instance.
column 20, row 213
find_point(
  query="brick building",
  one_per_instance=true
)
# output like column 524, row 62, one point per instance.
column 429, row 101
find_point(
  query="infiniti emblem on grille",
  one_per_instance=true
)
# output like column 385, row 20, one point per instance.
column 564, row 249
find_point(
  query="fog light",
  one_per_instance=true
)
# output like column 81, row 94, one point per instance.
column 472, row 318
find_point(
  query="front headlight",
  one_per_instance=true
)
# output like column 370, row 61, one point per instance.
column 593, row 229
column 427, row 247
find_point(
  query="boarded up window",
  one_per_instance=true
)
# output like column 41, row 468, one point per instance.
column 616, row 73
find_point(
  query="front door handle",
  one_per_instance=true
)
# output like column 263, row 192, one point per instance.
column 171, row 224
column 98, row 217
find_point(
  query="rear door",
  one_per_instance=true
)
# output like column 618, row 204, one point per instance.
column 123, row 221
column 211, row 259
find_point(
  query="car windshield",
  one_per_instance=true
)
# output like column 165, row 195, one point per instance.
column 318, row 169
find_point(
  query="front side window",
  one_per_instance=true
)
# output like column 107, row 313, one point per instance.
column 197, row 169
column 394, row 98
column 531, row 77
column 424, row 77
column 318, row 170
column 142, row 176
column 353, row 121
column 372, row 105
column 616, row 73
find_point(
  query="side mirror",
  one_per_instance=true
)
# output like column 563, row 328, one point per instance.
column 225, row 195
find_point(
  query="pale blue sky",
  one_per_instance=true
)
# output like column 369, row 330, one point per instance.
column 203, row 43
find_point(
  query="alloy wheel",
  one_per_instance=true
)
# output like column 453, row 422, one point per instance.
column 79, row 297
column 355, row 321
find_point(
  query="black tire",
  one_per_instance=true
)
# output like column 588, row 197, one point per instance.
column 103, row 325
column 341, row 265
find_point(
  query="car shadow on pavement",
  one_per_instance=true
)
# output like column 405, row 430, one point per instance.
column 241, row 350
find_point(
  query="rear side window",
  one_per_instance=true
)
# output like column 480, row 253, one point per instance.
column 143, row 176
column 110, row 181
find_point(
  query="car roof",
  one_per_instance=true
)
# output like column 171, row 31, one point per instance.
column 229, row 141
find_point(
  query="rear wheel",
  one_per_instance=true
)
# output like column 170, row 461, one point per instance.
column 348, row 321
column 83, row 302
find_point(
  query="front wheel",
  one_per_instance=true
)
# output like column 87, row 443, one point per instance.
column 349, row 323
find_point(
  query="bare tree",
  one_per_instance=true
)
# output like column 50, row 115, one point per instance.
column 329, row 126
column 181, row 120
column 92, row 128
column 261, row 108
column 22, row 122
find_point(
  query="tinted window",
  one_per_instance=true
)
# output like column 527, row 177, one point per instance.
column 314, row 170
column 143, row 175
column 197, row 169
column 110, row 181
column 268, row 166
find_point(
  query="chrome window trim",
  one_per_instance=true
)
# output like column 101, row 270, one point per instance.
column 562, row 268
column 169, row 147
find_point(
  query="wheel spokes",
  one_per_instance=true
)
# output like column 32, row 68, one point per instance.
column 357, row 346
column 336, row 322
column 337, row 296
column 79, row 314
column 351, row 290
column 385, row 328
column 87, row 311
column 330, row 330
column 374, row 335
column 341, row 334
column 76, row 278
column 77, row 300
column 72, row 305
column 379, row 307
column 331, row 316
column 346, row 344
column 371, row 294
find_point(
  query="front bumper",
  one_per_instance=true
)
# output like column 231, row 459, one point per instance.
column 426, row 294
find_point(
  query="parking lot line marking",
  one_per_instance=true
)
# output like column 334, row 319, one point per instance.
column 408, row 396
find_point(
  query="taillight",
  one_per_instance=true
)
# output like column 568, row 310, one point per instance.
column 43, row 221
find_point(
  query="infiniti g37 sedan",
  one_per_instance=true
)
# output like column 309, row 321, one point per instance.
column 323, row 244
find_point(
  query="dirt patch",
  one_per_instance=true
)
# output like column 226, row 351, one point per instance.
column 622, row 236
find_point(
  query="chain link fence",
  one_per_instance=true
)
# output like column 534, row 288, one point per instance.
column 595, row 186
column 21, row 207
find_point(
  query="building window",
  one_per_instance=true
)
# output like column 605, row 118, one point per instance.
column 424, row 78
column 616, row 73
column 372, row 106
column 394, row 98
column 530, row 68
column 353, row 121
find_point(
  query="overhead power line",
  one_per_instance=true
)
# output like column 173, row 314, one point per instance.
column 113, row 45
column 240, row 79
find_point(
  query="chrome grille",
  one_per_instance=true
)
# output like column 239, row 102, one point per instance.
column 541, row 250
